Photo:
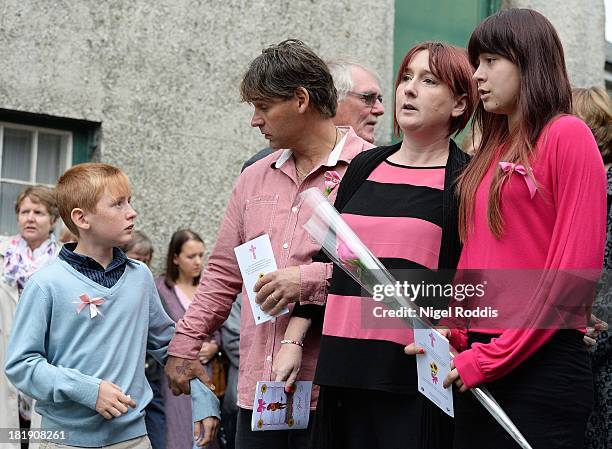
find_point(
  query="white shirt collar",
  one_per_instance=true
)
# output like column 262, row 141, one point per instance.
column 332, row 160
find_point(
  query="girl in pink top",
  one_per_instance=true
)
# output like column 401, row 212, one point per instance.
column 533, row 198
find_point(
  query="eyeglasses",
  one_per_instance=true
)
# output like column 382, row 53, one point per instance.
column 368, row 98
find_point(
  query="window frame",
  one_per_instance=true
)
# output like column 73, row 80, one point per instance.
column 67, row 163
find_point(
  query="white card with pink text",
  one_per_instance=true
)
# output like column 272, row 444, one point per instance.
column 256, row 259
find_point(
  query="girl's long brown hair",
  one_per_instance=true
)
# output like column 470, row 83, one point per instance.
column 529, row 40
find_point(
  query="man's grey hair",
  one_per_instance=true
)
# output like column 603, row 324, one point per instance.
column 340, row 70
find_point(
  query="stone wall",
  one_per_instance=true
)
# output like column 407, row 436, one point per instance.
column 162, row 77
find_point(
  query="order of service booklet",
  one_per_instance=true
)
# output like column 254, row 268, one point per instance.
column 433, row 367
column 274, row 409
column 256, row 259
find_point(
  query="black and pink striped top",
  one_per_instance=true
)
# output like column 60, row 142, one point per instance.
column 397, row 213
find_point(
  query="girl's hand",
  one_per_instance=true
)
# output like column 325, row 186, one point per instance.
column 454, row 377
column 287, row 364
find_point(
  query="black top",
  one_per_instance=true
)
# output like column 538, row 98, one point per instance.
column 379, row 364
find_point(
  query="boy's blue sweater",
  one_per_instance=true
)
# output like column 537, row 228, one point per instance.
column 59, row 357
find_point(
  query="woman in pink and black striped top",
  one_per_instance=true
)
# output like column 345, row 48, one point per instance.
column 399, row 200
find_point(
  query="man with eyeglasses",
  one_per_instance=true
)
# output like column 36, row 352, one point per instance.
column 359, row 97
column 360, row 101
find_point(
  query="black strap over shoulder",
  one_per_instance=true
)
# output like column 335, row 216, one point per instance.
column 358, row 171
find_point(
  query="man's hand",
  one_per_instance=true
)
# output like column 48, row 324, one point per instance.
column 277, row 289
column 205, row 431
column 287, row 364
column 180, row 371
column 111, row 402
column 208, row 351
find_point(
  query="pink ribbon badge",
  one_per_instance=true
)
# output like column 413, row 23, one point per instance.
column 93, row 304
column 509, row 167
column 332, row 179
column 261, row 405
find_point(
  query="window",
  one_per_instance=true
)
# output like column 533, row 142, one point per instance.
column 29, row 155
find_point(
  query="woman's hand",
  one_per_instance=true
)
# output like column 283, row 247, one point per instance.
column 208, row 351
column 596, row 326
column 287, row 364
column 413, row 349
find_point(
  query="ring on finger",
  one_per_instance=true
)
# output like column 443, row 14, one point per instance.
column 274, row 298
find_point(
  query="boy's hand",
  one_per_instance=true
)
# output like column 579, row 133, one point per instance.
column 205, row 431
column 180, row 371
column 208, row 351
column 111, row 402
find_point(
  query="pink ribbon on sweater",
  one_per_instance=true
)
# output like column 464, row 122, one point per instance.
column 509, row 167
column 93, row 304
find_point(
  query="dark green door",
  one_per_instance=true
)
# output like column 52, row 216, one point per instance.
column 447, row 20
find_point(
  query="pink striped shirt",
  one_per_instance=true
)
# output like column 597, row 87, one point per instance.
column 264, row 200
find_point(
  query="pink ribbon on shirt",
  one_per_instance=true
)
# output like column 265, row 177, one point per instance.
column 332, row 179
column 509, row 167
column 93, row 304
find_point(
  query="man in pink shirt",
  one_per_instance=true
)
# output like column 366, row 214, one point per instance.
column 294, row 101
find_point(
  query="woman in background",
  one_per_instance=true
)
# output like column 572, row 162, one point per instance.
column 141, row 248
column 21, row 256
column 593, row 106
column 176, row 288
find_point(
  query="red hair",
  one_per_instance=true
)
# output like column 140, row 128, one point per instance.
column 451, row 66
